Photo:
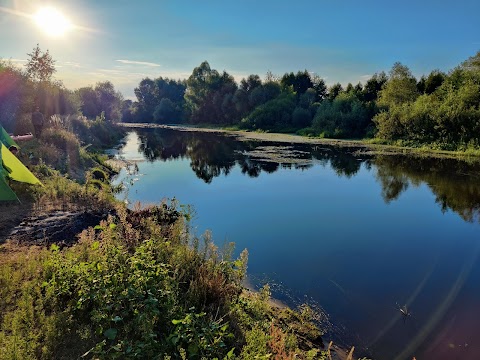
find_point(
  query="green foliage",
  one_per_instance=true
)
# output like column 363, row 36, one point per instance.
column 123, row 292
column 101, row 99
column 300, row 82
column 448, row 118
column 209, row 96
column 199, row 336
column 345, row 116
column 301, row 117
column 400, row 88
column 17, row 98
column 275, row 113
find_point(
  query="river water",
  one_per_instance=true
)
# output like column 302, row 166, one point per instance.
column 357, row 236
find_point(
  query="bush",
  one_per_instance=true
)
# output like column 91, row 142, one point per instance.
column 345, row 116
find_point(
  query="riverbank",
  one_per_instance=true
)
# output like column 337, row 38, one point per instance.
column 64, row 243
column 360, row 147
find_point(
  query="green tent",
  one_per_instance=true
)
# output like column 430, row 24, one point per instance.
column 6, row 139
column 6, row 194
column 12, row 168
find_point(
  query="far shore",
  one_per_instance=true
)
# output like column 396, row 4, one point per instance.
column 361, row 147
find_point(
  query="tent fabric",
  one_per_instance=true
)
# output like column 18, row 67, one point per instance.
column 14, row 169
column 6, row 139
column 6, row 194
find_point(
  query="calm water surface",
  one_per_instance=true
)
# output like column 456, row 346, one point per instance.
column 356, row 236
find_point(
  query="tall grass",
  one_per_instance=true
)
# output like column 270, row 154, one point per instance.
column 136, row 287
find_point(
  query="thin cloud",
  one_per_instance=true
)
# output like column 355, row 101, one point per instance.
column 144, row 63
column 72, row 64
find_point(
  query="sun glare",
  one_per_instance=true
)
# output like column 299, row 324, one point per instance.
column 52, row 22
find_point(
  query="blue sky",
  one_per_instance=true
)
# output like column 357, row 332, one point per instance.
column 342, row 41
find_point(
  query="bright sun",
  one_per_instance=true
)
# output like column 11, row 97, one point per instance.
column 52, row 21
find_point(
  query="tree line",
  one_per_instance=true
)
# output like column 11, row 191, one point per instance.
column 440, row 109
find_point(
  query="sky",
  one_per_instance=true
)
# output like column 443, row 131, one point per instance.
column 342, row 41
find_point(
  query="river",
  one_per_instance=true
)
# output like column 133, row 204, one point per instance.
column 359, row 237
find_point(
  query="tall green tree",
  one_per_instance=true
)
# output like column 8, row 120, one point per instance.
column 334, row 91
column 209, row 95
column 147, row 95
column 400, row 88
column 373, row 86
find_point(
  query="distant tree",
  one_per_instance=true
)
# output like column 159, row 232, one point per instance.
column 101, row 98
column 300, row 82
column 434, row 80
column 165, row 112
column 250, row 83
column 301, row 118
column 274, row 114
column 421, row 84
column 170, row 89
column 146, row 94
column 90, row 103
column 349, row 88
column 334, row 91
column 373, row 86
column 271, row 77
column 128, row 111
column 400, row 88
column 344, row 116
column 110, row 100
column 320, row 87
column 308, row 98
column 472, row 63
column 209, row 95
column 15, row 95
column 40, row 66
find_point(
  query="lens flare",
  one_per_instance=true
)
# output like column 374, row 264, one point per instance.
column 52, row 22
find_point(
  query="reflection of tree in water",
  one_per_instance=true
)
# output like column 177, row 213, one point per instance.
column 342, row 162
column 155, row 145
column 212, row 155
column 455, row 184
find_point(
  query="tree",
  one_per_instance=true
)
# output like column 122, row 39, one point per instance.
column 373, row 86
column 320, row 87
column 165, row 111
column 301, row 117
column 300, row 82
column 110, row 100
column 90, row 103
column 146, row 94
column 344, row 116
column 40, row 66
column 433, row 81
column 15, row 96
column 250, row 83
column 334, row 91
column 400, row 88
column 472, row 63
column 209, row 95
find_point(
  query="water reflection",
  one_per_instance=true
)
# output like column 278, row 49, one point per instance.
column 454, row 183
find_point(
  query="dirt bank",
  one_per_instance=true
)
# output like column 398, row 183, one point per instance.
column 22, row 224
